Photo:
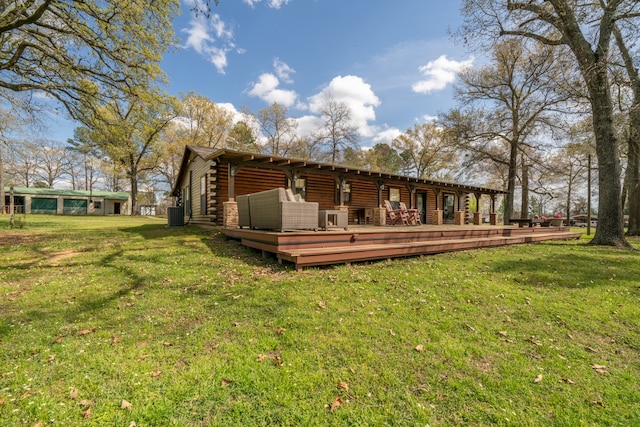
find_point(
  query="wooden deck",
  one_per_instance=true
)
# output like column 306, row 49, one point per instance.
column 363, row 243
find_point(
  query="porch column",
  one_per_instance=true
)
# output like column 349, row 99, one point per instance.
column 477, row 215
column 230, row 214
column 412, row 193
column 380, row 187
column 231, row 185
column 493, row 215
column 460, row 215
column 437, row 215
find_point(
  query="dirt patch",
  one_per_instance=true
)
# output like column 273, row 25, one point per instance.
column 54, row 257
column 15, row 239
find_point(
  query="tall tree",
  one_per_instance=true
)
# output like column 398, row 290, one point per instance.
column 514, row 97
column 632, row 176
column 337, row 132
column 129, row 134
column 81, row 52
column 50, row 157
column 279, row 129
column 241, row 137
column 586, row 28
column 426, row 149
column 203, row 122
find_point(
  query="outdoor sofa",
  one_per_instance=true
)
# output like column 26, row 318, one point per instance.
column 277, row 209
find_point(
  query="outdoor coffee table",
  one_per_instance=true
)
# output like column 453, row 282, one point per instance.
column 332, row 219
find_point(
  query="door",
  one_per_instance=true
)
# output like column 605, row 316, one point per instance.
column 116, row 208
column 449, row 209
column 421, row 205
column 74, row 206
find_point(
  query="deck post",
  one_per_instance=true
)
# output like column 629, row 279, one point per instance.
column 460, row 217
column 379, row 216
column 493, row 218
column 477, row 218
column 436, row 217
column 230, row 214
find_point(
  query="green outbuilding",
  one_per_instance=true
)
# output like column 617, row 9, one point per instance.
column 67, row 202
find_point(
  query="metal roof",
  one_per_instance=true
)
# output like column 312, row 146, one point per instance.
column 110, row 195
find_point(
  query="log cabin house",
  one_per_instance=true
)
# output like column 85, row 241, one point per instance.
column 210, row 178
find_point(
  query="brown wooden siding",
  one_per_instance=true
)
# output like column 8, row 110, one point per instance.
column 320, row 188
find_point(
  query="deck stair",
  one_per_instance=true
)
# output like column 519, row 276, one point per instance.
column 306, row 249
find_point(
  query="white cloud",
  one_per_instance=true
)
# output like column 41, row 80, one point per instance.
column 357, row 94
column 438, row 74
column 274, row 4
column 207, row 36
column 283, row 70
column 385, row 136
column 267, row 90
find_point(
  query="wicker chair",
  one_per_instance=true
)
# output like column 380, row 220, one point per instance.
column 278, row 209
column 244, row 219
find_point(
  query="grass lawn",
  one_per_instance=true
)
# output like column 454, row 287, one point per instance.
column 122, row 321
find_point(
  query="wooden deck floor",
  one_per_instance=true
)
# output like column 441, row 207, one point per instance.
column 363, row 243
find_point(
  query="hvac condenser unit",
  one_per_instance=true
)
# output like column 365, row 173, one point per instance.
column 175, row 216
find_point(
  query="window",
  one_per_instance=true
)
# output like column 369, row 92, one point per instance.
column 394, row 197
column 97, row 205
column 346, row 193
column 203, row 195
column 186, row 200
column 301, row 187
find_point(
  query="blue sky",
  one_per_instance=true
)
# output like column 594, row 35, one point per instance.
column 391, row 62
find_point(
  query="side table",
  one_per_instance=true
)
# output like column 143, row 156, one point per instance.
column 332, row 219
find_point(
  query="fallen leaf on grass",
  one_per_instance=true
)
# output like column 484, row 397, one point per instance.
column 261, row 358
column 125, row 405
column 37, row 424
column 59, row 340
column 538, row 378
column 85, row 331
column 420, row 348
column 225, row 382
column 167, row 344
column 321, row 304
column 86, row 402
column 115, row 340
column 281, row 331
column 471, row 328
column 597, row 403
column 336, row 404
column 567, row 380
column 3, row 401
column 156, row 374
column 278, row 360
column 601, row 369
column 86, row 413
column 73, row 394
column 502, row 333
column 592, row 350
column 132, row 424
column 343, row 385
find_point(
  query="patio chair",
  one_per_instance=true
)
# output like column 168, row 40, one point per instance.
column 412, row 214
column 396, row 216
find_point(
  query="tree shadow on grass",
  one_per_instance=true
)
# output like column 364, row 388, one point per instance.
column 583, row 266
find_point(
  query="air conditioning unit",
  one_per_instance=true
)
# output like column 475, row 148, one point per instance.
column 175, row 216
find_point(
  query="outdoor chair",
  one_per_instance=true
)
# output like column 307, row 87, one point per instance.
column 396, row 216
column 412, row 214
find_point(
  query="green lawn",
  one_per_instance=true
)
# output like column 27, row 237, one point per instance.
column 119, row 320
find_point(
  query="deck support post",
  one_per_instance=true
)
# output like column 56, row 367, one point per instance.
column 460, row 217
column 436, row 217
column 493, row 218
column 230, row 214
column 477, row 218
column 379, row 216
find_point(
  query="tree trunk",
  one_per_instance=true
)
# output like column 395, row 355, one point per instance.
column 511, row 182
column 2, row 209
column 610, row 230
column 633, row 171
column 569, row 191
column 525, row 190
column 134, row 194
